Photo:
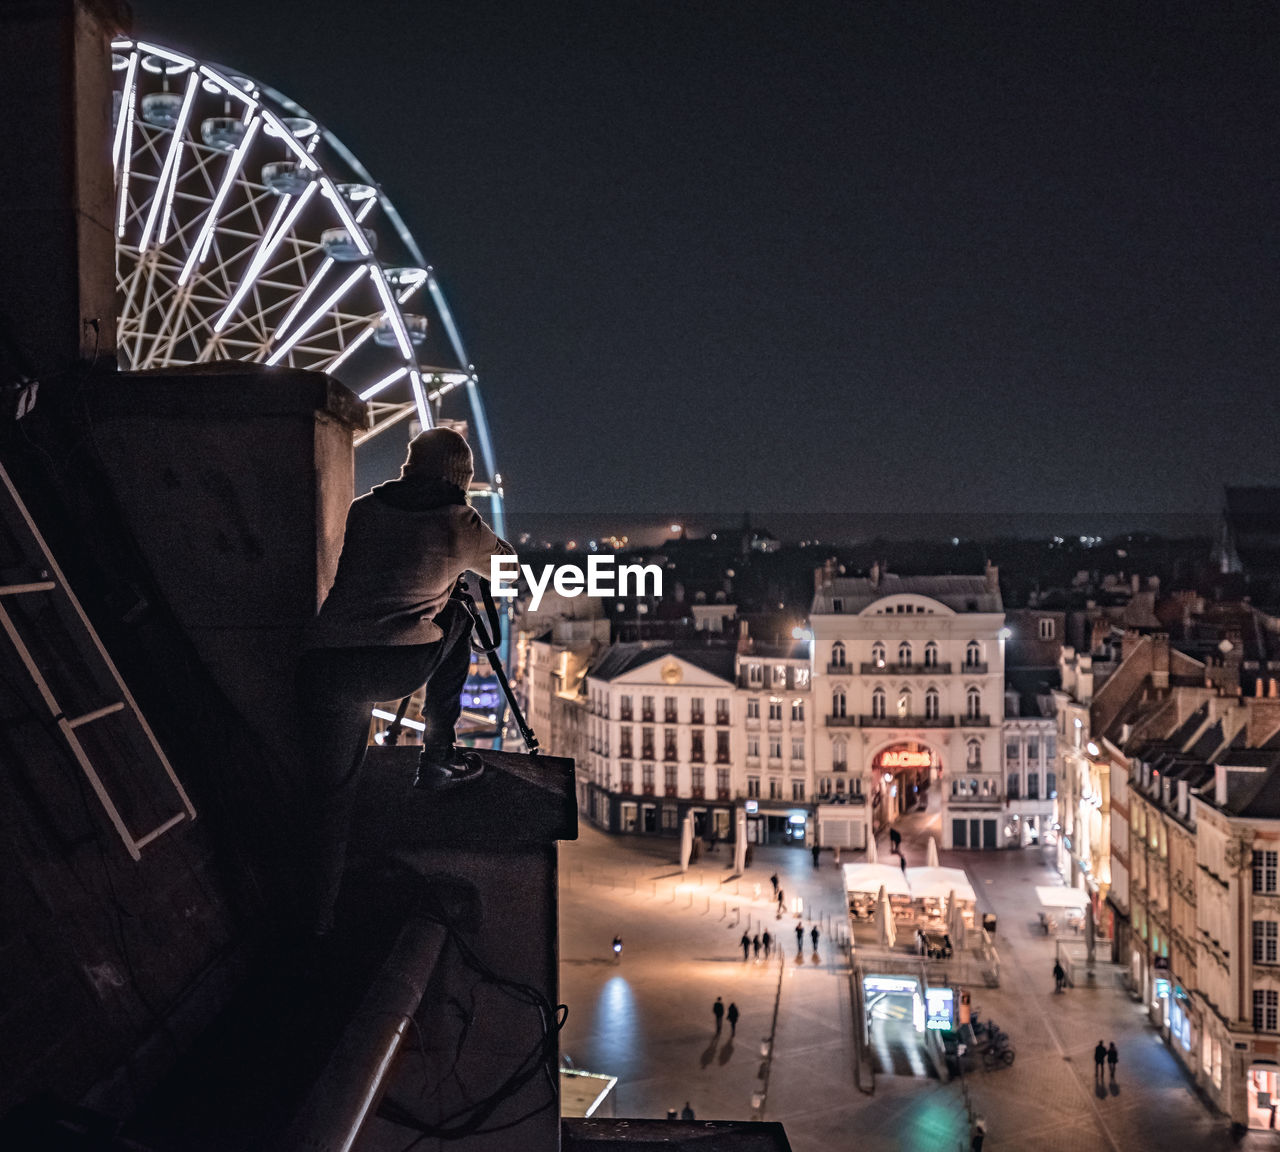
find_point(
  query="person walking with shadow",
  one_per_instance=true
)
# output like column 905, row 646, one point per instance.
column 733, row 1019
column 895, row 840
column 782, row 901
column 1099, row 1059
column 799, row 939
column 903, row 861
column 813, row 935
column 717, row 1010
column 767, row 941
column 746, row 945
column 774, row 881
column 816, row 852
column 755, row 944
column 1059, row 976
column 1113, row 1057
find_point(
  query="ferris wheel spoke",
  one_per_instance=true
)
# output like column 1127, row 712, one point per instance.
column 163, row 195
column 306, row 326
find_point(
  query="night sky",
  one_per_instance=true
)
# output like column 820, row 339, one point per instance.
column 825, row 256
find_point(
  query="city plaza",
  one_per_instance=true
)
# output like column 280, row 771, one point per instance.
column 646, row 1018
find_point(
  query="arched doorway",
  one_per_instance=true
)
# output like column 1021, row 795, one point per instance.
column 901, row 776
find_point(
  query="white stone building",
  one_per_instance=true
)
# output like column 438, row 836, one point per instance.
column 909, row 687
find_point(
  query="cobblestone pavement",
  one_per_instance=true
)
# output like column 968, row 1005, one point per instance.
column 648, row 1020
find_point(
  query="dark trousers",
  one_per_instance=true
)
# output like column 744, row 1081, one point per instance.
column 337, row 689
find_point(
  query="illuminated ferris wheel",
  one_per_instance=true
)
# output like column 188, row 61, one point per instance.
column 246, row 231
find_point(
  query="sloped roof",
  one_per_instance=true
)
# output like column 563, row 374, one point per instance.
column 959, row 593
column 619, row 659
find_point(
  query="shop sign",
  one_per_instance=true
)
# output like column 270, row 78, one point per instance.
column 940, row 1009
column 903, row 759
column 1162, row 989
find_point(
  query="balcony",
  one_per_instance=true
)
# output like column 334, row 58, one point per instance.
column 982, row 720
column 886, row 669
column 974, row 668
column 671, row 718
column 646, row 790
column 891, row 721
column 671, row 791
column 722, row 793
column 697, row 793
column 722, row 719
column 839, row 669
column 646, row 716
column 753, row 722
column 842, row 721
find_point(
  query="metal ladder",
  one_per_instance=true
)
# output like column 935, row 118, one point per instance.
column 61, row 628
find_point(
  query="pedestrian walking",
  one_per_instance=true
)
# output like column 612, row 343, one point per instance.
column 813, row 935
column 774, row 881
column 903, row 861
column 895, row 839
column 686, row 1113
column 733, row 1019
column 1059, row 975
column 746, row 945
column 1113, row 1057
column 816, row 851
column 799, row 939
column 979, row 1136
column 767, row 941
column 755, row 944
column 1099, row 1059
column 717, row 1010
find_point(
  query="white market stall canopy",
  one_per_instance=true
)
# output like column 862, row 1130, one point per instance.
column 868, row 879
column 1059, row 897
column 940, row 883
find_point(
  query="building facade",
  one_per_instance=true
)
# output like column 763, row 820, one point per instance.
column 908, row 679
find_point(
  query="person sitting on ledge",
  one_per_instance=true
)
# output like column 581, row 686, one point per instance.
column 388, row 625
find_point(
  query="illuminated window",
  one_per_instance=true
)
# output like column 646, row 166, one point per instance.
column 797, row 710
column 974, row 754
column 1264, row 941
column 839, row 756
column 1264, row 871
column 1266, row 1004
column 1046, row 625
column 904, row 702
column 877, row 654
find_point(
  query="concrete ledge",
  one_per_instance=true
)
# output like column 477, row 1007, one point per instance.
column 602, row 1135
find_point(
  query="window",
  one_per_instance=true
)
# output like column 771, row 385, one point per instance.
column 753, row 787
column 904, row 702
column 802, row 678
column 671, row 712
column 722, row 747
column 722, row 711
column 1033, row 785
column 646, row 709
column 972, row 654
column 837, row 654
column 855, row 786
column 838, row 702
column 877, row 704
column 624, row 778
column 839, row 756
column 670, row 817
column 775, row 709
column 753, row 709
column 670, row 779
column 1266, row 1001
column 775, row 749
column 696, row 751
column 973, row 703
column 1051, row 785
column 624, row 743
column 797, row 749
column 669, row 746
column 1011, row 750
column 1012, row 788
column 697, row 780
column 1050, row 747
column 931, row 709
column 779, row 675
column 624, row 708
column 1264, row 941
column 797, row 710
column 1264, row 871
column 840, row 786
column 753, row 745
column 646, row 778
column 904, row 653
column 824, row 786
column 931, row 655
column 755, row 675
column 877, row 654
column 646, row 743
column 974, row 754
column 1033, row 748
column 837, row 604
column 696, row 715
column 1046, row 626
column 775, row 788
column 797, row 791
column 722, row 783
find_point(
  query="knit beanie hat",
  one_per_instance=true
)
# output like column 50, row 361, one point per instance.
column 441, row 454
